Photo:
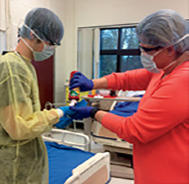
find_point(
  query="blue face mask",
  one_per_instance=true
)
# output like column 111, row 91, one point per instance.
column 46, row 53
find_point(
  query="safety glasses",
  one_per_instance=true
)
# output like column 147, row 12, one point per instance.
column 149, row 49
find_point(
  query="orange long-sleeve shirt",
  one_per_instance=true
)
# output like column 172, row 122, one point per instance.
column 159, row 130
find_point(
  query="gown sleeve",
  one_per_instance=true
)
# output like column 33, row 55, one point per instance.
column 20, row 113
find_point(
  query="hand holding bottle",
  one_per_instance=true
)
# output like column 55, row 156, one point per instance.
column 79, row 80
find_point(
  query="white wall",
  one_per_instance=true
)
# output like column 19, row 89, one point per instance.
column 18, row 10
column 86, row 13
column 108, row 12
column 2, row 15
column 65, row 55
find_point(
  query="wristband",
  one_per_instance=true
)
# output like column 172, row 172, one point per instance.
column 93, row 112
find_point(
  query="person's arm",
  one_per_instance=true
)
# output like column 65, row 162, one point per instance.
column 101, row 83
column 20, row 113
column 130, row 80
column 158, row 114
column 23, row 124
column 99, row 115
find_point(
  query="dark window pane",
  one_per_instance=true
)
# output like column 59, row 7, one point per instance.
column 109, row 39
column 107, row 64
column 129, row 38
column 130, row 63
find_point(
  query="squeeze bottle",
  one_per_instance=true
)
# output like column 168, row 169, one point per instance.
column 74, row 93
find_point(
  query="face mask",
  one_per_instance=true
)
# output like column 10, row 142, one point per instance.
column 148, row 62
column 47, row 51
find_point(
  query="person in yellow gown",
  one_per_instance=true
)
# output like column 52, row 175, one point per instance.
column 23, row 155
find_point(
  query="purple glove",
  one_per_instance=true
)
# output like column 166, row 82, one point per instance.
column 68, row 112
column 81, row 112
column 79, row 80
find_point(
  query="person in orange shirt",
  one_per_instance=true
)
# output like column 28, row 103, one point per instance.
column 159, row 130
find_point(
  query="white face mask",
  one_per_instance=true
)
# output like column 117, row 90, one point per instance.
column 47, row 51
column 147, row 61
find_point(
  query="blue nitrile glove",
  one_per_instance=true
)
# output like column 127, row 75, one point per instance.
column 63, row 122
column 81, row 112
column 79, row 80
column 66, row 111
column 82, row 103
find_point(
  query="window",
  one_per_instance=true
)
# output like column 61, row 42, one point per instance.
column 119, row 50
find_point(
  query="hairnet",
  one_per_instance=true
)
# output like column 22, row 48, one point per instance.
column 164, row 28
column 45, row 24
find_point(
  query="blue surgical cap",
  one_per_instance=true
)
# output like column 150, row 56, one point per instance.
column 164, row 28
column 45, row 24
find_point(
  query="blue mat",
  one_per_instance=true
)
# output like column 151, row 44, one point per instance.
column 126, row 109
column 62, row 160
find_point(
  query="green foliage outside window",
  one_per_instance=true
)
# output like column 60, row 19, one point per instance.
column 119, row 50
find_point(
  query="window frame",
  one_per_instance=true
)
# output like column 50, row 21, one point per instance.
column 119, row 52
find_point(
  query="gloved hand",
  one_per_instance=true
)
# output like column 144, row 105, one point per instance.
column 63, row 122
column 81, row 112
column 68, row 112
column 79, row 80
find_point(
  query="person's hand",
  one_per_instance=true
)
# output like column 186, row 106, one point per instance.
column 63, row 122
column 81, row 112
column 66, row 111
column 79, row 80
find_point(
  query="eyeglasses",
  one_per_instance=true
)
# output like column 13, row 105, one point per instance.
column 149, row 49
column 51, row 43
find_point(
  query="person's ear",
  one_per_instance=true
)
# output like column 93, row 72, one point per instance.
column 170, row 51
column 37, row 41
column 32, row 36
